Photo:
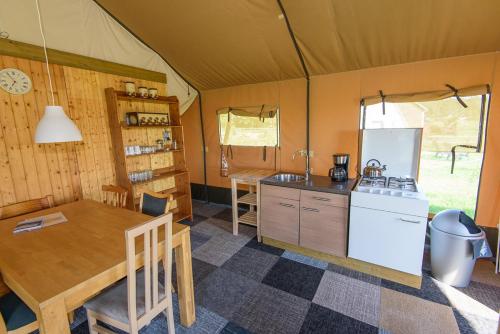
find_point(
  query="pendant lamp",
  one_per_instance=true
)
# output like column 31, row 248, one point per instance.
column 55, row 126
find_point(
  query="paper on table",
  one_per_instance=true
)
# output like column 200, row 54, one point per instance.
column 40, row 222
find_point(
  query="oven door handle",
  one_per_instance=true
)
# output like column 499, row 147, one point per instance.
column 409, row 221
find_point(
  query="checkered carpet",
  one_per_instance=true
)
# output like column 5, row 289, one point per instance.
column 242, row 286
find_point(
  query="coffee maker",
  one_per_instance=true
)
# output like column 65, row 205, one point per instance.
column 340, row 170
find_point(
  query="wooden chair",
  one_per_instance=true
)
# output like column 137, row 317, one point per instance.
column 22, row 208
column 15, row 316
column 114, row 196
column 155, row 204
column 134, row 302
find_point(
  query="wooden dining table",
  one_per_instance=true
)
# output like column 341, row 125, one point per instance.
column 54, row 270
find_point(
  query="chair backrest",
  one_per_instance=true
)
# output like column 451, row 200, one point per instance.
column 114, row 195
column 22, row 208
column 3, row 326
column 155, row 204
column 153, row 305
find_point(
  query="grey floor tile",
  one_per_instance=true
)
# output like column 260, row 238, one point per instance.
column 232, row 328
column 264, row 248
column 207, row 210
column 223, row 292
column 426, row 261
column 201, row 270
column 304, row 259
column 198, row 239
column 227, row 226
column 470, row 323
column 251, row 263
column 207, row 322
column 321, row 320
column 429, row 290
column 226, row 214
column 354, row 274
column 295, row 278
column 269, row 310
column 208, row 229
column 349, row 296
column 196, row 219
column 219, row 249
column 485, row 294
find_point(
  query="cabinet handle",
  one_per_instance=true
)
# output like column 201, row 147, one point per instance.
column 409, row 221
column 287, row 205
column 310, row 209
column 321, row 199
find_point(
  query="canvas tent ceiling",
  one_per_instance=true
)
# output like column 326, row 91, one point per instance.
column 83, row 27
column 223, row 43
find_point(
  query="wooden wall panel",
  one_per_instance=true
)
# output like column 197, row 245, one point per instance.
column 68, row 171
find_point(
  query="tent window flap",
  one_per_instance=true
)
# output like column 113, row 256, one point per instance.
column 249, row 126
column 425, row 96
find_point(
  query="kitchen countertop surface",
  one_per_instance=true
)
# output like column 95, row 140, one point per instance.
column 316, row 183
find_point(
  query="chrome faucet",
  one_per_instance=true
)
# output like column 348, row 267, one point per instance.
column 308, row 168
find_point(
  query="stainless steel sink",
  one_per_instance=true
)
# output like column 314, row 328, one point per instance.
column 288, row 177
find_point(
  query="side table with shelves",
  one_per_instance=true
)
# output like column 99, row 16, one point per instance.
column 250, row 178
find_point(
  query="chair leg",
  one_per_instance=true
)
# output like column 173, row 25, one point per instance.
column 170, row 320
column 169, row 313
column 92, row 322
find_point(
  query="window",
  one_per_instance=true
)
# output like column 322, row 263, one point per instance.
column 448, row 127
column 250, row 126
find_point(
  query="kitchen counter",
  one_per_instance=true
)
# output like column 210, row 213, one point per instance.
column 316, row 183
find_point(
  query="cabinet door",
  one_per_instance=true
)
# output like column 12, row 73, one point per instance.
column 308, row 197
column 279, row 219
column 323, row 228
column 282, row 192
column 388, row 239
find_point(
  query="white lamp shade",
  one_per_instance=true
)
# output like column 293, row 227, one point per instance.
column 56, row 127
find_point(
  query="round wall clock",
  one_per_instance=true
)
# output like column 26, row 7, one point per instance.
column 14, row 81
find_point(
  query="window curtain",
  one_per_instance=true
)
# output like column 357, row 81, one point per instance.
column 262, row 111
column 425, row 96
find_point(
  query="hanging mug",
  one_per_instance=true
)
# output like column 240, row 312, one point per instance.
column 153, row 93
column 143, row 92
column 130, row 88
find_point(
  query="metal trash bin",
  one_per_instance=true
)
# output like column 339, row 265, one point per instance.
column 456, row 243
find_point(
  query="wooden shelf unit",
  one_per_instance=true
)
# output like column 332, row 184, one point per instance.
column 157, row 152
column 250, row 199
column 251, row 179
column 126, row 126
column 169, row 167
column 248, row 218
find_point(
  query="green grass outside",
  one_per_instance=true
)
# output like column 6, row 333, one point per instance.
column 450, row 191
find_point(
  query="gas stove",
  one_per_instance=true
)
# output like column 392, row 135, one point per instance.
column 402, row 183
column 388, row 219
column 390, row 186
column 374, row 182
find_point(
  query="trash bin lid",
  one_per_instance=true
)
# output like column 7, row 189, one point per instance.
column 456, row 222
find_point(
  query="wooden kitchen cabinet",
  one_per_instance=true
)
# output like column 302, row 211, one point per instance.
column 308, row 197
column 309, row 219
column 323, row 228
column 279, row 216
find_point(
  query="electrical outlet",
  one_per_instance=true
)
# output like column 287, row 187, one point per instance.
column 303, row 153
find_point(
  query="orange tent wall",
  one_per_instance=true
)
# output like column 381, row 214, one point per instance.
column 335, row 118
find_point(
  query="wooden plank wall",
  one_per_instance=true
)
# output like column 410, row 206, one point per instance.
column 68, row 171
